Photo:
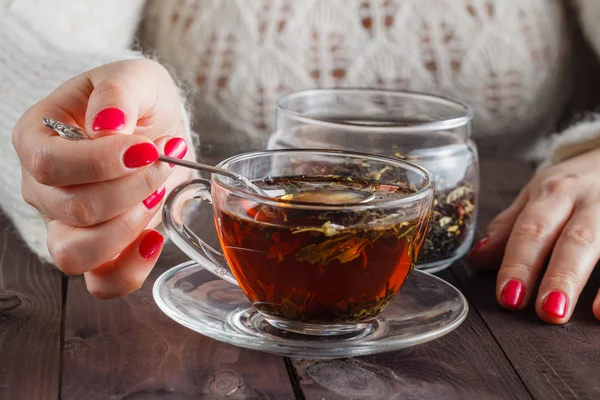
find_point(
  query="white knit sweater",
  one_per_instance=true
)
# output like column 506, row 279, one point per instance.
column 508, row 58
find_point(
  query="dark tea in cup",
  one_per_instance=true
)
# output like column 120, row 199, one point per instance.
column 311, row 266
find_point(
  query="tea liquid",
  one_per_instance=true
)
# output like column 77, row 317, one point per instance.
column 316, row 266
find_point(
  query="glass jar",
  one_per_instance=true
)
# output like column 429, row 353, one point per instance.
column 431, row 131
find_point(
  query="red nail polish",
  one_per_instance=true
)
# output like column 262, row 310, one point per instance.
column 476, row 248
column 151, row 201
column 176, row 147
column 555, row 304
column 111, row 119
column 479, row 245
column 150, row 244
column 512, row 294
column 140, row 155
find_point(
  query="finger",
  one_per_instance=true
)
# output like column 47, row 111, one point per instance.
column 54, row 161
column 489, row 251
column 94, row 203
column 126, row 273
column 78, row 250
column 573, row 259
column 134, row 96
column 531, row 239
column 596, row 306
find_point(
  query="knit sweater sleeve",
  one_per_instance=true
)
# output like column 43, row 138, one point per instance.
column 31, row 67
column 584, row 135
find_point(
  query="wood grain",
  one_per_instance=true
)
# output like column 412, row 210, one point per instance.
column 128, row 349
column 555, row 362
column 30, row 321
column 465, row 364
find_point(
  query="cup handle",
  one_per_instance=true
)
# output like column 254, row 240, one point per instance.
column 184, row 238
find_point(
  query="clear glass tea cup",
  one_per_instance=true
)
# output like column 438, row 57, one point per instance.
column 327, row 250
column 431, row 131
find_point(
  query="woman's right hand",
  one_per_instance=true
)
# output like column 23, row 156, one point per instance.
column 100, row 198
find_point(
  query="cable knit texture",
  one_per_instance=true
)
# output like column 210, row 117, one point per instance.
column 508, row 58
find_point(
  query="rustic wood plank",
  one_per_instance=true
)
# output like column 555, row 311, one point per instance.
column 128, row 349
column 465, row 364
column 30, row 321
column 553, row 361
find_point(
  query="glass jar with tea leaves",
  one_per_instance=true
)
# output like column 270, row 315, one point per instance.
column 431, row 131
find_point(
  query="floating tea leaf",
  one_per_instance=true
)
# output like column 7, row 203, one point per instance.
column 343, row 249
column 328, row 229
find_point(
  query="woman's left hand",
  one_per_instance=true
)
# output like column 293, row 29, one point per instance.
column 556, row 217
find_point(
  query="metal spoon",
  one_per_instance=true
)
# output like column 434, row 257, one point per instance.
column 73, row 133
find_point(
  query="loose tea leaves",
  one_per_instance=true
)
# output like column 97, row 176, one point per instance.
column 294, row 307
column 450, row 222
column 453, row 209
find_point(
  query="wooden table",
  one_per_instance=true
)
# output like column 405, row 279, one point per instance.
column 57, row 341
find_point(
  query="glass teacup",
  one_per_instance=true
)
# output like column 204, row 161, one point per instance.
column 329, row 248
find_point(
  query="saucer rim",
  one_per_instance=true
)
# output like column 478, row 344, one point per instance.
column 323, row 350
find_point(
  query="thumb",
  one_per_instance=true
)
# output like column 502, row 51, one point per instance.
column 109, row 120
column 112, row 109
column 128, row 95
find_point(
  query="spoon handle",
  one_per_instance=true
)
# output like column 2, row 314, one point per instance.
column 196, row 166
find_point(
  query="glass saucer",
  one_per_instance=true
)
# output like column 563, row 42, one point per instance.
column 426, row 308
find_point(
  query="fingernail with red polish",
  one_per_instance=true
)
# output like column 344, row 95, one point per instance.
column 140, row 155
column 151, row 201
column 111, row 119
column 176, row 147
column 150, row 244
column 476, row 248
column 555, row 304
column 479, row 245
column 512, row 294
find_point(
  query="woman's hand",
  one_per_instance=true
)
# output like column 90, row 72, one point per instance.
column 99, row 198
column 557, row 218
